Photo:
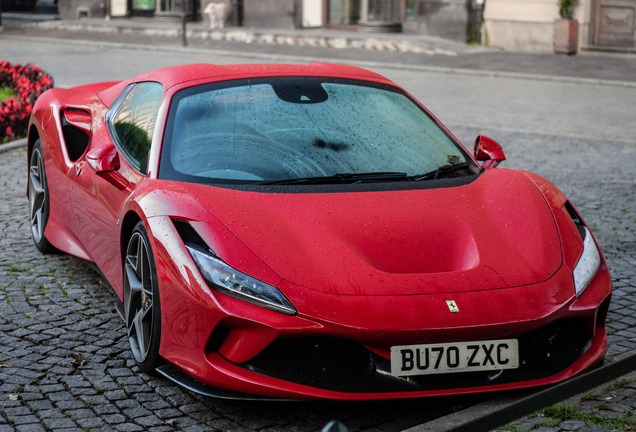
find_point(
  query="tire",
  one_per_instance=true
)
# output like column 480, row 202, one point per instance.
column 141, row 301
column 39, row 205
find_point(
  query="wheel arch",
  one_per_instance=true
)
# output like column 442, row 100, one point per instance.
column 130, row 220
column 32, row 137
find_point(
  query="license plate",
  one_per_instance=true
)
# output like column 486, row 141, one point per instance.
column 454, row 357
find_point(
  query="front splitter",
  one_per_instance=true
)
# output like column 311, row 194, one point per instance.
column 181, row 379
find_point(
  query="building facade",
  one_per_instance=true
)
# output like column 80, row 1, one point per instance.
column 449, row 19
column 529, row 24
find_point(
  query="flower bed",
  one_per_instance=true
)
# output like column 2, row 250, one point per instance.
column 27, row 83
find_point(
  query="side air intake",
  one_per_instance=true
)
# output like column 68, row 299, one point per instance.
column 76, row 129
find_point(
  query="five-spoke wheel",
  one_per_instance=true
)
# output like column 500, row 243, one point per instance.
column 38, row 199
column 141, row 300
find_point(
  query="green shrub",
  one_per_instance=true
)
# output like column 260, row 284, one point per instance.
column 565, row 8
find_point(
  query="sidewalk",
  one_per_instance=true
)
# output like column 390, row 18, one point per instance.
column 312, row 37
column 409, row 51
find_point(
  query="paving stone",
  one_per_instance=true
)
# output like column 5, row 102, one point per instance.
column 571, row 425
column 57, row 423
column 33, row 427
column 127, row 403
column 594, row 429
column 105, row 409
column 90, row 422
column 168, row 413
column 150, row 420
column 127, row 427
column 39, row 405
column 25, row 419
column 137, row 412
column 70, row 404
column 192, row 408
column 114, row 418
column 206, row 416
column 115, row 395
column 157, row 404
column 80, row 414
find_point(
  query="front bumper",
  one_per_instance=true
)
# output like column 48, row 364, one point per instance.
column 224, row 343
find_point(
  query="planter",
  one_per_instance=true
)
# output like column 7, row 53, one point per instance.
column 566, row 32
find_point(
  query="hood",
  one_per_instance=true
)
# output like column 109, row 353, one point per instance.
column 495, row 232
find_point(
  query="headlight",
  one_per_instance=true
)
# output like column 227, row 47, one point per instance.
column 229, row 281
column 588, row 264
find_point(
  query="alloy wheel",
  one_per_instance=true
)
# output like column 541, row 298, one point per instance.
column 138, row 297
column 37, row 195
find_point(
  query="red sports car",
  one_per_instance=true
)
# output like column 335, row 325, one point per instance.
column 281, row 231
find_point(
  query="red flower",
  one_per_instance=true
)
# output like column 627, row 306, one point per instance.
column 28, row 82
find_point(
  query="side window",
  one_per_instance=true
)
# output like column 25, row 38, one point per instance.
column 134, row 121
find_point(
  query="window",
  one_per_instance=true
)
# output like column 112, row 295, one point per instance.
column 134, row 120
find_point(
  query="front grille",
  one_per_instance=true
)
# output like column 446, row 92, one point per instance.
column 557, row 340
column 316, row 358
column 347, row 366
column 76, row 141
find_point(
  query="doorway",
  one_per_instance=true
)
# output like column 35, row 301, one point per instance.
column 614, row 23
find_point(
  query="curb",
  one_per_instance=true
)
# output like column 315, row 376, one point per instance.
column 14, row 145
column 296, row 59
column 497, row 413
column 268, row 36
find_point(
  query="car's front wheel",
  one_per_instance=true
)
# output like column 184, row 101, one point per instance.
column 38, row 199
column 141, row 300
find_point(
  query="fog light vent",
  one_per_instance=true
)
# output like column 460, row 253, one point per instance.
column 314, row 358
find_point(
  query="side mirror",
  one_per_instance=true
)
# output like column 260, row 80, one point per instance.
column 103, row 159
column 488, row 151
column 105, row 162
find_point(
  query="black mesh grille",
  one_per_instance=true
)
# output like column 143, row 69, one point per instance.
column 76, row 141
column 342, row 365
column 555, row 341
column 315, row 358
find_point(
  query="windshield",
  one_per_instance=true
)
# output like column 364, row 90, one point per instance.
column 276, row 129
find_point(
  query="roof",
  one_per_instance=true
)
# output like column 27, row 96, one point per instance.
column 172, row 76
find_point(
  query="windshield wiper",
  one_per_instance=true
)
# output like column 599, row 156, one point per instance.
column 443, row 170
column 342, row 178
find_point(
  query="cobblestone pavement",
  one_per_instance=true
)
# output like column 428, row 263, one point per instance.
column 65, row 363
